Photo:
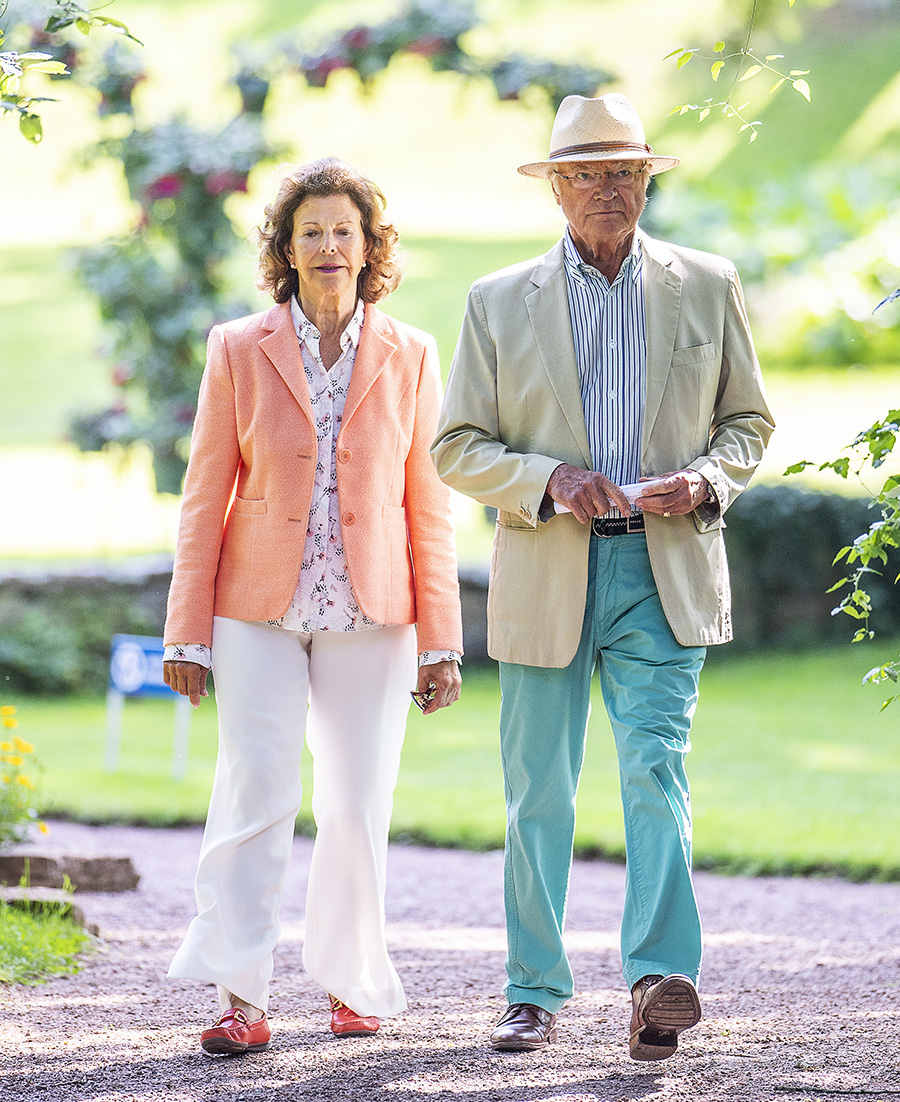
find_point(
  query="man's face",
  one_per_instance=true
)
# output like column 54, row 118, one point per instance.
column 605, row 213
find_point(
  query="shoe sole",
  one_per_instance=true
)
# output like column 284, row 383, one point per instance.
column 673, row 1007
column 221, row 1046
column 525, row 1046
column 355, row 1032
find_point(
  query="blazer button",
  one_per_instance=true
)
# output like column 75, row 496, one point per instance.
column 349, row 518
column 345, row 455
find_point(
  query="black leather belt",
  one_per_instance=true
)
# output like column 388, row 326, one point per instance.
column 618, row 526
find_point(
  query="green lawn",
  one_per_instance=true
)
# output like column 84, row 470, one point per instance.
column 793, row 768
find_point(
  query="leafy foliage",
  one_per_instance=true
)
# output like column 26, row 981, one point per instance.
column 873, row 547
column 17, row 786
column 46, row 21
column 743, row 71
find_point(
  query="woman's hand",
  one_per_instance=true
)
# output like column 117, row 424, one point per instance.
column 187, row 678
column 445, row 679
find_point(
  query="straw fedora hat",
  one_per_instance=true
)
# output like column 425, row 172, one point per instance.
column 604, row 129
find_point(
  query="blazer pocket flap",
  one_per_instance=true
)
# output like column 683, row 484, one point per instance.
column 513, row 520
column 696, row 354
column 250, row 505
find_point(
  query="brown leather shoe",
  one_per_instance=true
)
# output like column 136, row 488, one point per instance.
column 662, row 1007
column 523, row 1028
column 234, row 1034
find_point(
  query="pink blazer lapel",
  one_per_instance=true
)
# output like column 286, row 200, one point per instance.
column 376, row 347
column 282, row 348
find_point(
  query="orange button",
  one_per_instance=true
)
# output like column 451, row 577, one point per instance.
column 349, row 518
column 345, row 455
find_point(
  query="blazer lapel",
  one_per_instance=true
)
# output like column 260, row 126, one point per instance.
column 282, row 348
column 548, row 309
column 376, row 347
column 662, row 299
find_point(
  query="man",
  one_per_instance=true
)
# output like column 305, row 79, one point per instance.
column 611, row 359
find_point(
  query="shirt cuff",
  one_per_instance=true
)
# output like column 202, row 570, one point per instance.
column 188, row 652
column 429, row 657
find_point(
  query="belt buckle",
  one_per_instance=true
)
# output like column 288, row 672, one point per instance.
column 633, row 517
column 597, row 525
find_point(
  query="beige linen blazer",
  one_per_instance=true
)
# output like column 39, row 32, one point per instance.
column 249, row 483
column 513, row 412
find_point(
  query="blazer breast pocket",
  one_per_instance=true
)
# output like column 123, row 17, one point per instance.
column 696, row 354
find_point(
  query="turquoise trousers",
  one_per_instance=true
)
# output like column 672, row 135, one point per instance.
column 650, row 687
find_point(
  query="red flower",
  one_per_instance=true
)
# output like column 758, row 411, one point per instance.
column 225, row 181
column 358, row 38
column 165, row 187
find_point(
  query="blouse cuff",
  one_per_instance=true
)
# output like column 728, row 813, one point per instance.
column 188, row 652
column 429, row 657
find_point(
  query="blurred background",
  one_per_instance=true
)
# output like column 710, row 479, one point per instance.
column 125, row 233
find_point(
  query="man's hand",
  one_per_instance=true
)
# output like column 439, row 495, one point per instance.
column 587, row 494
column 187, row 678
column 680, row 492
column 446, row 681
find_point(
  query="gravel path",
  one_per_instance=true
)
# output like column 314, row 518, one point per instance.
column 801, row 995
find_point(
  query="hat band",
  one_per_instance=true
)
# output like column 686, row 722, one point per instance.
column 599, row 147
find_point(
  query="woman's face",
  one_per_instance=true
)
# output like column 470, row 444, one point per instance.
column 327, row 247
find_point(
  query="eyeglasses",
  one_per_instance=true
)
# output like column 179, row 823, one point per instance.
column 423, row 699
column 618, row 177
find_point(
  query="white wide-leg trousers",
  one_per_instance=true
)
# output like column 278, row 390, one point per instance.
column 355, row 688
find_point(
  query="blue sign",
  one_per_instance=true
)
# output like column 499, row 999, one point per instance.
column 135, row 666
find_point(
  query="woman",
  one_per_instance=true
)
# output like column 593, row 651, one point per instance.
column 315, row 558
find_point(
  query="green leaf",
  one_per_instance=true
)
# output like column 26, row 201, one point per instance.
column 773, row 57
column 752, row 71
column 796, row 468
column 684, row 59
column 30, row 125
column 777, row 85
column 47, row 67
column 680, row 50
column 799, row 73
column 744, row 127
column 684, row 110
column 803, row 88
column 716, row 68
column 700, row 118
column 719, row 47
column 83, row 25
column 675, row 111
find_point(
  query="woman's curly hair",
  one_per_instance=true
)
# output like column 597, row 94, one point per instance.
column 328, row 176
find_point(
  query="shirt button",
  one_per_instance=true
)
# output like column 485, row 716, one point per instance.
column 349, row 518
column 345, row 455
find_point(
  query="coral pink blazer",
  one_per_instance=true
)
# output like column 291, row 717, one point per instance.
column 249, row 483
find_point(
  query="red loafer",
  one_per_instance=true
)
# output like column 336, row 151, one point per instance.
column 347, row 1023
column 234, row 1033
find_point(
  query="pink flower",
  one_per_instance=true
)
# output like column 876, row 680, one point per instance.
column 121, row 374
column 165, row 187
column 227, row 180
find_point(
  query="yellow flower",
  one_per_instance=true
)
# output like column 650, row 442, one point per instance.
column 7, row 779
column 43, row 828
column 12, row 759
column 25, row 782
column 9, row 722
column 7, row 747
column 22, row 746
column 7, row 710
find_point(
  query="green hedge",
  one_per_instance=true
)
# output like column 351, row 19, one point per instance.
column 781, row 543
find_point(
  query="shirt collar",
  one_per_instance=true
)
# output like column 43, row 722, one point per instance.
column 306, row 330
column 580, row 270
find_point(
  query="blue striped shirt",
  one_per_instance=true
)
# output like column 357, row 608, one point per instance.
column 610, row 334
